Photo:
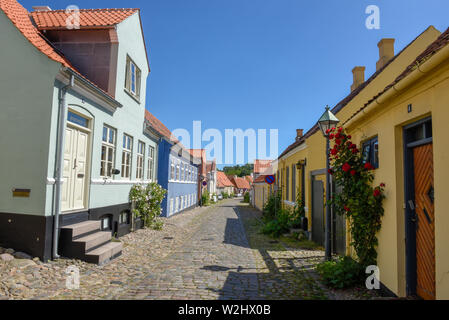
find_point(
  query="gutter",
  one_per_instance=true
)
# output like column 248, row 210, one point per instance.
column 420, row 71
column 60, row 162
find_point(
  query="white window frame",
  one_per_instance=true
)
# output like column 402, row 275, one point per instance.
column 140, row 160
column 177, row 171
column 132, row 78
column 172, row 170
column 127, row 156
column 150, row 163
column 105, row 170
column 171, row 205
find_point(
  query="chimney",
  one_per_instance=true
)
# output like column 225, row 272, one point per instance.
column 358, row 74
column 41, row 8
column 299, row 133
column 386, row 52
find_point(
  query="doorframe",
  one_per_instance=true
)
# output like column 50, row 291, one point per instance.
column 409, row 193
column 89, row 150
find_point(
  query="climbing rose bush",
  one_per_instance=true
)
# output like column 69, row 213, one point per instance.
column 148, row 199
column 359, row 200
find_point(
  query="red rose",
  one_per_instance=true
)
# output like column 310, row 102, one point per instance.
column 376, row 192
column 382, row 185
column 340, row 129
column 346, row 167
column 337, row 142
column 353, row 146
column 346, row 209
column 331, row 136
column 334, row 152
column 353, row 172
column 368, row 166
column 354, row 151
column 327, row 131
column 330, row 171
column 349, row 136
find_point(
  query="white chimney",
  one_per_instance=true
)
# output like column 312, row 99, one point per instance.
column 41, row 8
column 358, row 74
column 386, row 52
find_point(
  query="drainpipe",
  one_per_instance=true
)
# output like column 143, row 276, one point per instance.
column 60, row 163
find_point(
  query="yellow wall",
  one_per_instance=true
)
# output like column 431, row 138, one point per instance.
column 261, row 193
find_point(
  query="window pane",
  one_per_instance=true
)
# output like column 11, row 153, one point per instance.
column 111, row 136
column 375, row 154
column 103, row 153
column 105, row 134
column 365, row 153
column 124, row 141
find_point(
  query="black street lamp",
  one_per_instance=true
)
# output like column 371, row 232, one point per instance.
column 328, row 121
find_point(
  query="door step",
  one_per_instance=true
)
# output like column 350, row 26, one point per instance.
column 86, row 241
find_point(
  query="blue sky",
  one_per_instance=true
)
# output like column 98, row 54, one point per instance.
column 262, row 63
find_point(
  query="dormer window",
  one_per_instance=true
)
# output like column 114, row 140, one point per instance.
column 132, row 81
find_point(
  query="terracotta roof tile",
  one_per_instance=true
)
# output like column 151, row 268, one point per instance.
column 223, row 180
column 56, row 19
column 249, row 179
column 260, row 179
column 241, row 183
column 261, row 165
column 157, row 125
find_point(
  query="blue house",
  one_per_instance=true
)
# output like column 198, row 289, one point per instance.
column 177, row 170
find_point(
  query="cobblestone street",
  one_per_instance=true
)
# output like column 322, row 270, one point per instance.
column 201, row 254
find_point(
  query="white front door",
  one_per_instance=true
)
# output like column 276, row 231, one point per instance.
column 75, row 169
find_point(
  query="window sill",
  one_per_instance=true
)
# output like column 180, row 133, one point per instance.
column 132, row 95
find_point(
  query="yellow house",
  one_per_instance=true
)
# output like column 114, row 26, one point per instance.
column 301, row 167
column 407, row 122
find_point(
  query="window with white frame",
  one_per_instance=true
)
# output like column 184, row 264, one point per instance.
column 132, row 79
column 140, row 160
column 124, row 217
column 126, row 156
column 108, row 151
column 150, row 164
column 172, row 170
column 177, row 204
column 177, row 172
column 171, row 205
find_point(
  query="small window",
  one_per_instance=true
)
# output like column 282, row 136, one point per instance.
column 106, row 223
column 132, row 79
column 370, row 152
column 124, row 217
column 77, row 119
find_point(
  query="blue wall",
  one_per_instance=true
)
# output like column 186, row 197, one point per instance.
column 175, row 189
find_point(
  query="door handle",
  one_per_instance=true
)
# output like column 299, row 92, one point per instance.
column 411, row 204
column 74, row 163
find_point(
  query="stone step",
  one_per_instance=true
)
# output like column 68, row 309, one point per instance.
column 81, row 228
column 105, row 253
column 93, row 240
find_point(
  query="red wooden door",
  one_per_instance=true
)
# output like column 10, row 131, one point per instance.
column 425, row 224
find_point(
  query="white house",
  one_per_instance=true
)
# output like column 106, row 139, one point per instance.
column 72, row 129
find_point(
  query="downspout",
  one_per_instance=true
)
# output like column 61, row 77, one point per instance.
column 59, row 162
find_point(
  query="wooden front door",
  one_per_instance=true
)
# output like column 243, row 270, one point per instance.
column 425, row 221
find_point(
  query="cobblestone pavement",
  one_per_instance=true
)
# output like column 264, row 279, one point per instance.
column 201, row 254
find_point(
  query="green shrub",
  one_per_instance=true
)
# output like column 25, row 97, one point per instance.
column 205, row 198
column 340, row 274
column 272, row 206
column 246, row 197
column 225, row 195
column 148, row 199
column 278, row 226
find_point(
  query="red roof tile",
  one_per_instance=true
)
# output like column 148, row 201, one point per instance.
column 249, row 179
column 241, row 183
column 261, row 165
column 223, row 180
column 19, row 16
column 56, row 19
column 157, row 125
column 260, row 178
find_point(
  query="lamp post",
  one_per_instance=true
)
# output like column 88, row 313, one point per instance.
column 328, row 121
